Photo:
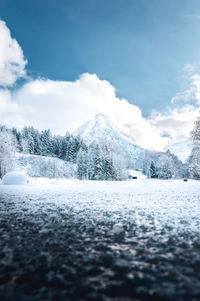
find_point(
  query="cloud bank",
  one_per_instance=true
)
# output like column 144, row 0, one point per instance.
column 12, row 62
column 177, row 123
column 192, row 93
column 63, row 105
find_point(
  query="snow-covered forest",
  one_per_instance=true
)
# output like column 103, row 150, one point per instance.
column 93, row 162
column 163, row 165
column 40, row 153
column 194, row 159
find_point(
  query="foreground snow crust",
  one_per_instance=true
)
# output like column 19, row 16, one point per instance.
column 138, row 239
column 168, row 202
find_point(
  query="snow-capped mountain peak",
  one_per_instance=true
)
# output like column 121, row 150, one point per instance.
column 100, row 128
column 92, row 128
column 102, row 120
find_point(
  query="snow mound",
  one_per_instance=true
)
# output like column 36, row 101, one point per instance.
column 15, row 178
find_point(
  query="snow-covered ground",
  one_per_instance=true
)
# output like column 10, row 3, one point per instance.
column 136, row 239
column 171, row 202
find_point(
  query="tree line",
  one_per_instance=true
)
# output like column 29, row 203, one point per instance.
column 97, row 161
column 162, row 165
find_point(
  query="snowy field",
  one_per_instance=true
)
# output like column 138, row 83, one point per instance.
column 79, row 240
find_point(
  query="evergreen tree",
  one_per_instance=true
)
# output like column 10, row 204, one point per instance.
column 57, row 146
column 152, row 170
column 18, row 137
column 46, row 143
column 71, row 150
column 165, row 165
column 195, row 135
column 98, row 163
column 7, row 152
column 28, row 141
column 108, row 170
column 194, row 160
column 36, row 141
column 64, row 151
column 81, row 165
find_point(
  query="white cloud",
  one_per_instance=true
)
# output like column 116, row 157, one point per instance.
column 192, row 93
column 12, row 62
column 195, row 86
column 177, row 123
column 64, row 106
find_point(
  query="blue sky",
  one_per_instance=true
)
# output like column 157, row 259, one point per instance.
column 136, row 61
column 140, row 46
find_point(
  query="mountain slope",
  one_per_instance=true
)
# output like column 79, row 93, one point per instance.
column 99, row 128
column 182, row 149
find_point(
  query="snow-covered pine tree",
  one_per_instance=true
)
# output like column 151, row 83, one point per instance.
column 46, row 143
column 74, row 144
column 98, row 163
column 18, row 137
column 196, row 132
column 90, row 162
column 64, row 147
column 166, row 170
column 36, row 140
column 108, row 171
column 118, row 162
column 57, row 146
column 165, row 164
column 194, row 160
column 81, row 165
column 152, row 170
column 7, row 152
column 27, row 140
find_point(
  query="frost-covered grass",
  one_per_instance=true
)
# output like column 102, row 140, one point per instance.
column 93, row 239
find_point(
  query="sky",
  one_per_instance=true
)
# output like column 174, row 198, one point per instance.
column 137, row 61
